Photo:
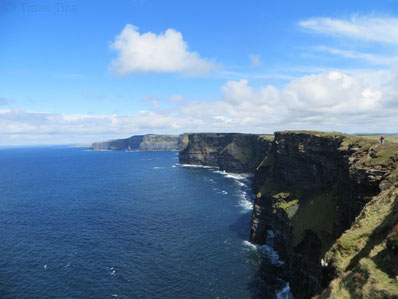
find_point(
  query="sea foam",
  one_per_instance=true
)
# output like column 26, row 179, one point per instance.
column 197, row 166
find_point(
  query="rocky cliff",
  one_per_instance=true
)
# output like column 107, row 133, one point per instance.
column 330, row 201
column 232, row 152
column 150, row 142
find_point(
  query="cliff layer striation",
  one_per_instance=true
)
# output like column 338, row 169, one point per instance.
column 232, row 152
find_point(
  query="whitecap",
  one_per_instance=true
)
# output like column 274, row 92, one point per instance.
column 197, row 166
column 266, row 251
column 235, row 176
column 246, row 205
column 249, row 244
column 241, row 184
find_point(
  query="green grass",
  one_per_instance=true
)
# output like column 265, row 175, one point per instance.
column 316, row 133
column 387, row 138
column 185, row 140
column 377, row 216
column 288, row 205
column 267, row 136
column 365, row 266
column 384, row 157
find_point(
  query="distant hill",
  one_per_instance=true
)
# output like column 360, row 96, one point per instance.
column 150, row 142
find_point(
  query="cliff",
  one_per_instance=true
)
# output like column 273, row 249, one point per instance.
column 232, row 152
column 330, row 200
column 144, row 143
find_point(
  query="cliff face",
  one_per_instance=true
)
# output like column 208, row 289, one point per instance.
column 311, row 186
column 229, row 151
column 330, row 200
column 143, row 143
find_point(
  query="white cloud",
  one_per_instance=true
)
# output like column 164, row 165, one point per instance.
column 255, row 60
column 372, row 58
column 332, row 101
column 366, row 28
column 161, row 53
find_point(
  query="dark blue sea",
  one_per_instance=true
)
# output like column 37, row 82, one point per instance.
column 81, row 224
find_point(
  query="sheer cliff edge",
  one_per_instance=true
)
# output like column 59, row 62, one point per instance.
column 330, row 199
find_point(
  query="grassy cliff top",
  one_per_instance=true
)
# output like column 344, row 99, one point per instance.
column 267, row 136
column 388, row 138
column 315, row 133
column 367, row 268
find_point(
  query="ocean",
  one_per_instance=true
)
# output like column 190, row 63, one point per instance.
column 82, row 224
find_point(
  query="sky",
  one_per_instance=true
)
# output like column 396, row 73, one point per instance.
column 83, row 71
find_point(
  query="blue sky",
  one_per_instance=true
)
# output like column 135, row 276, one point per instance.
column 75, row 71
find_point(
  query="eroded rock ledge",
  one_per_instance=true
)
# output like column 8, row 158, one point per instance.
column 330, row 199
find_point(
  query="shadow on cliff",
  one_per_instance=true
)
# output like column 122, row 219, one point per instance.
column 268, row 281
column 378, row 236
column 385, row 260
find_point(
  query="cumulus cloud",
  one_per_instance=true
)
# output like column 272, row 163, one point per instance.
column 366, row 28
column 332, row 101
column 255, row 60
column 160, row 53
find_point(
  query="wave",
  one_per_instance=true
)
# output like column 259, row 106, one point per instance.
column 235, row 176
column 265, row 251
column 269, row 253
column 246, row 205
column 197, row 166
column 242, row 179
column 249, row 244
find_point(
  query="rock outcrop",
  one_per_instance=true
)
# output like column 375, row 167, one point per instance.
column 329, row 199
column 149, row 142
